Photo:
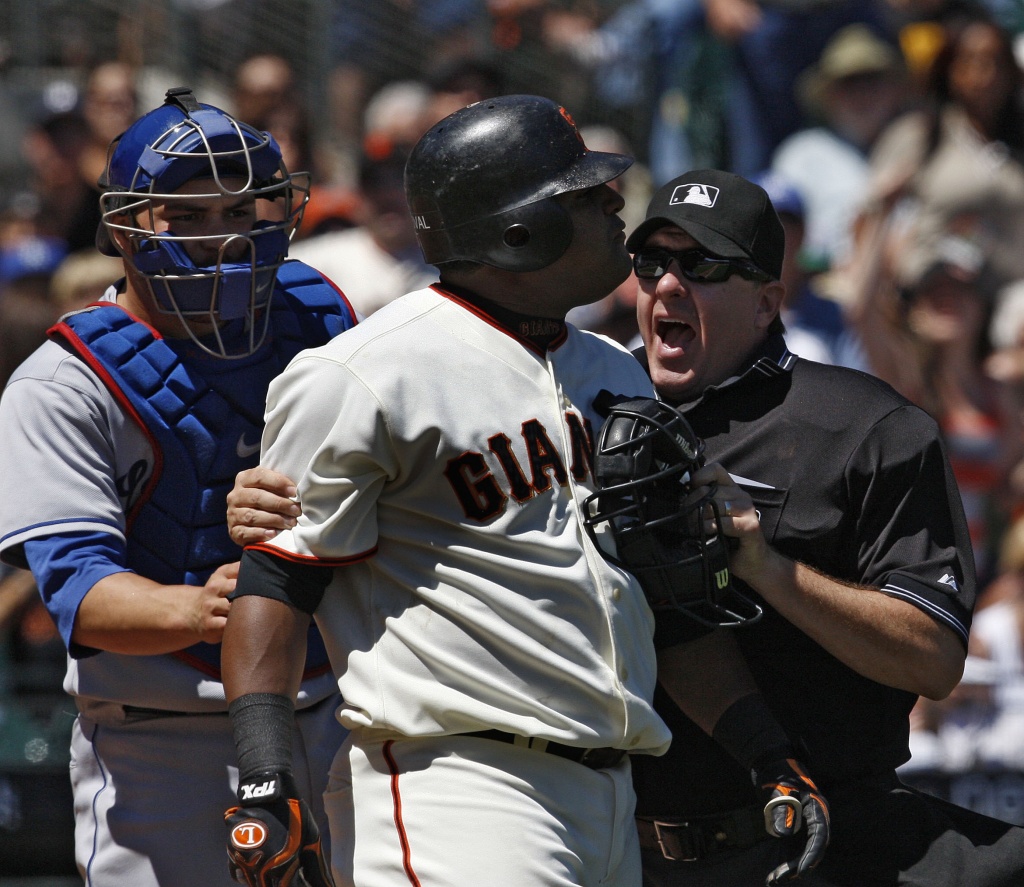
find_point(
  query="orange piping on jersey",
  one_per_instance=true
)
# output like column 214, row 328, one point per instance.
column 308, row 559
column 396, row 797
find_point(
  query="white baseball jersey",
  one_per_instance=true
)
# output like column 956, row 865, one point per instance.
column 442, row 463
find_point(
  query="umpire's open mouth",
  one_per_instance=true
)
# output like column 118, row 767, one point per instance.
column 675, row 333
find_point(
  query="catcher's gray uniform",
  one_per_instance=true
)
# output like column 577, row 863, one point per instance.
column 61, row 424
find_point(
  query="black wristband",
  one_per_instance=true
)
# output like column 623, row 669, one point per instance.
column 750, row 733
column 262, row 724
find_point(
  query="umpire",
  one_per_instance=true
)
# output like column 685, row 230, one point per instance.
column 850, row 533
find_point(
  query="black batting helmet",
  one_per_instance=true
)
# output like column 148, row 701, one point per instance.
column 645, row 455
column 480, row 183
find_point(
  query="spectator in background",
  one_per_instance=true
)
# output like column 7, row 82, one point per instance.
column 459, row 82
column 999, row 631
column 68, row 205
column 377, row 259
column 958, row 163
column 816, row 327
column 376, row 42
column 82, row 278
column 929, row 339
column 1006, row 362
column 396, row 115
column 394, row 119
column 26, row 310
column 980, row 725
column 110, row 104
column 854, row 90
column 262, row 83
column 661, row 53
column 773, row 44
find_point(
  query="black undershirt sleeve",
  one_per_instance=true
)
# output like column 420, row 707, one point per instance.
column 301, row 585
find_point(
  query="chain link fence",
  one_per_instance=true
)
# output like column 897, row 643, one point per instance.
column 48, row 46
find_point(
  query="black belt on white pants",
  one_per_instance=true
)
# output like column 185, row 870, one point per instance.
column 594, row 758
column 688, row 839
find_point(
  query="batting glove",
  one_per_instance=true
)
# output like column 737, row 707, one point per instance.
column 793, row 800
column 273, row 840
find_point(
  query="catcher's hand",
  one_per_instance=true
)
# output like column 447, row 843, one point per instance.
column 273, row 840
column 793, row 800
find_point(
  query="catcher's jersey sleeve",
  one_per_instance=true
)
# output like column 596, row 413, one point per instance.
column 66, row 566
column 69, row 459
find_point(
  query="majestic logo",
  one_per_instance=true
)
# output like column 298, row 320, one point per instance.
column 251, row 791
column 244, row 450
column 129, row 485
column 950, row 581
column 249, row 834
column 702, row 195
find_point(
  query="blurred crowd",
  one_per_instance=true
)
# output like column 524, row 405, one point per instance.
column 890, row 135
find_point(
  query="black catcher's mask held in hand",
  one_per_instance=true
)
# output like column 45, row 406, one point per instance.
column 645, row 455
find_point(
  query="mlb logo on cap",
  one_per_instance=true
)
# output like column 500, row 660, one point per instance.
column 728, row 215
column 702, row 195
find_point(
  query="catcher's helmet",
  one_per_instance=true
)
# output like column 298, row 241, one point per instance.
column 180, row 141
column 645, row 454
column 480, row 183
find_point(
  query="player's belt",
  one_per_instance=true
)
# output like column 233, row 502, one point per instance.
column 594, row 758
column 687, row 840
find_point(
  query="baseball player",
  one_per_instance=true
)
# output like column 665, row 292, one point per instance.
column 496, row 670
column 119, row 438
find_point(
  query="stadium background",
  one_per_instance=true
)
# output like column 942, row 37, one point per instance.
column 46, row 50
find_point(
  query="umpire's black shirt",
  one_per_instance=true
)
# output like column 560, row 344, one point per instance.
column 853, row 480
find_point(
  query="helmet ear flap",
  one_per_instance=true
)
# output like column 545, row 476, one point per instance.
column 527, row 238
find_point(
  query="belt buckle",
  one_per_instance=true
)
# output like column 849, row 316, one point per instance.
column 679, row 842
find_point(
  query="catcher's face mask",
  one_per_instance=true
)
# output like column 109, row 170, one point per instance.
column 183, row 142
column 645, row 455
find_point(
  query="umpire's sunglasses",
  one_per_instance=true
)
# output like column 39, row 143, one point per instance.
column 651, row 263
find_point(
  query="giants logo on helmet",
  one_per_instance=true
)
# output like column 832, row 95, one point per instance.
column 249, row 834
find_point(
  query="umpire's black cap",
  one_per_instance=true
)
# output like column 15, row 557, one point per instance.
column 728, row 215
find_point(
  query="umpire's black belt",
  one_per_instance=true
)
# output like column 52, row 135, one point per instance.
column 594, row 758
column 687, row 840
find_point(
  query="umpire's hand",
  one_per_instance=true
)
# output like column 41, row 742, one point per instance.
column 792, row 801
